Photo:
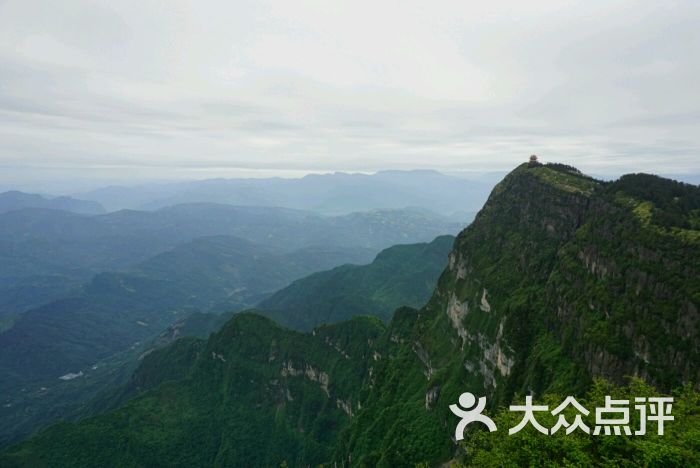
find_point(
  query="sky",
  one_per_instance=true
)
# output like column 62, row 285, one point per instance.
column 102, row 91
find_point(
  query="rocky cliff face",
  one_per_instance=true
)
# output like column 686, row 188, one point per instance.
column 253, row 394
column 625, row 294
column 559, row 279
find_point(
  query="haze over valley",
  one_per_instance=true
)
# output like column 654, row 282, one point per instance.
column 353, row 234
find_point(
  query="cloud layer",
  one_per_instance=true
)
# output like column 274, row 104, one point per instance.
column 194, row 89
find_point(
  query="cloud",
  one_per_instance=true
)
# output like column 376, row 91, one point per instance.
column 187, row 88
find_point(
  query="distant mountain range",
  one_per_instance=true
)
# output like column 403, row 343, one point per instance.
column 337, row 193
column 560, row 281
column 46, row 253
column 14, row 200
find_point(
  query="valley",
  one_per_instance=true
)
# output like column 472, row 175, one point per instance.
column 58, row 356
column 562, row 285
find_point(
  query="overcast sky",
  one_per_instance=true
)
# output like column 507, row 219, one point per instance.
column 171, row 89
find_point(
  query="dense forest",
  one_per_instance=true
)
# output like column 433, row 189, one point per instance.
column 562, row 286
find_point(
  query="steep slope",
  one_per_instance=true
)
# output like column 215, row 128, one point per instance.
column 254, row 394
column 559, row 279
column 400, row 275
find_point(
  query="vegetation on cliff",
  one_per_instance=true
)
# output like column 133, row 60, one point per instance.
column 560, row 281
column 402, row 275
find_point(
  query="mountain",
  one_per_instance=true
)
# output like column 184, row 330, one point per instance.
column 116, row 309
column 47, row 253
column 136, row 234
column 337, row 193
column 76, row 289
column 100, row 387
column 560, row 280
column 276, row 395
column 219, row 273
column 400, row 275
column 14, row 200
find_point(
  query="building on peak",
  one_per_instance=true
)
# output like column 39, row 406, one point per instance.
column 533, row 161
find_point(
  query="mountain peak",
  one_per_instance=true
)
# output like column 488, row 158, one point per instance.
column 563, row 177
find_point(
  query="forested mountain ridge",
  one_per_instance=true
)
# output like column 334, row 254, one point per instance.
column 119, row 312
column 560, row 279
column 254, row 394
column 402, row 275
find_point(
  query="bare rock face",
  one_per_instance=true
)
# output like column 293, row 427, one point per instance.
column 431, row 397
column 457, row 311
column 310, row 372
column 345, row 405
column 559, row 279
